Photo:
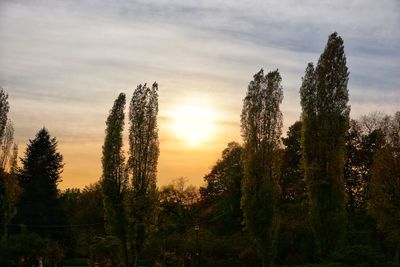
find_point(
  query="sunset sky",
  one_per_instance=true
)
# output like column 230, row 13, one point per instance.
column 64, row 62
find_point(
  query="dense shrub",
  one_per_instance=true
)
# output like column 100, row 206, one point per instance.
column 24, row 249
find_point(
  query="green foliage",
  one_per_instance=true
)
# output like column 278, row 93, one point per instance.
column 222, row 193
column 173, row 234
column 261, row 123
column 325, row 119
column 295, row 243
column 114, row 179
column 292, row 184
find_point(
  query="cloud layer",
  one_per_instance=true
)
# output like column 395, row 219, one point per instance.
column 64, row 62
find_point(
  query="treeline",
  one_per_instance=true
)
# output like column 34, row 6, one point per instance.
column 327, row 194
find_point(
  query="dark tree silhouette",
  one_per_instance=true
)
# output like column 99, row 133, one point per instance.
column 143, row 159
column 222, row 192
column 114, row 179
column 39, row 205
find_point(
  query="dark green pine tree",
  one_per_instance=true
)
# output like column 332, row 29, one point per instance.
column 325, row 118
column 261, row 123
column 114, row 179
column 39, row 207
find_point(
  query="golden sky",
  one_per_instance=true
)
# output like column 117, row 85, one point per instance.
column 64, row 62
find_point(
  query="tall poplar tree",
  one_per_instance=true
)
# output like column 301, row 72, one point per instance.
column 114, row 179
column 4, row 108
column 143, row 159
column 261, row 123
column 325, row 120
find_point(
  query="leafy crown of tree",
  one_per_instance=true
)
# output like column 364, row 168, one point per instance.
column 325, row 119
column 4, row 108
column 261, row 123
column 114, row 177
column 143, row 137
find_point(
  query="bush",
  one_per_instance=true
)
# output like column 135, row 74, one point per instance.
column 23, row 249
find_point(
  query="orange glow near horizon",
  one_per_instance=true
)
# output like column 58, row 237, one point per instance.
column 192, row 136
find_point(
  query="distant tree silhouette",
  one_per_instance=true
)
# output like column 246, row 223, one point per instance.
column 261, row 123
column 143, row 159
column 114, row 178
column 363, row 139
column 325, row 120
column 39, row 206
column 85, row 209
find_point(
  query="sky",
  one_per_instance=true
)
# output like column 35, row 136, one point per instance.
column 63, row 63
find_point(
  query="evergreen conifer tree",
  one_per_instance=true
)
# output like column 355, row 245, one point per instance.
column 39, row 206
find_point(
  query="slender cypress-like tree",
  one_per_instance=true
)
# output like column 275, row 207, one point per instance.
column 325, row 120
column 114, row 180
column 4, row 108
column 261, row 123
column 143, row 159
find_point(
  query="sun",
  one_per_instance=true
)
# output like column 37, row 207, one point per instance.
column 193, row 124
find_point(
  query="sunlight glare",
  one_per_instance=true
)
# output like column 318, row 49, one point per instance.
column 193, row 124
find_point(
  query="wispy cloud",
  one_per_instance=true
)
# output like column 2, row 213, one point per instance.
column 64, row 62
